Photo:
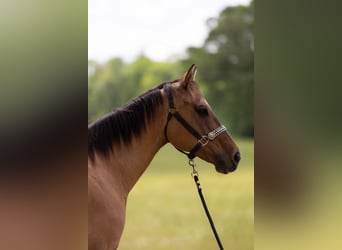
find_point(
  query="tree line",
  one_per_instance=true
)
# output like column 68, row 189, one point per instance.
column 225, row 62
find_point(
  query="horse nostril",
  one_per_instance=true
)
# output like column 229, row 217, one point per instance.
column 237, row 157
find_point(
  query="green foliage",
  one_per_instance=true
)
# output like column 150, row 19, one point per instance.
column 225, row 63
column 104, row 84
column 227, row 60
column 114, row 83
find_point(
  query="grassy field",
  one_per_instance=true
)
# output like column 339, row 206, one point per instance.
column 165, row 212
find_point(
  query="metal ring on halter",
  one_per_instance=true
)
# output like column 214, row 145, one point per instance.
column 172, row 111
column 204, row 140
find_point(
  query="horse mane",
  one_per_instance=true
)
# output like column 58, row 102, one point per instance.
column 122, row 124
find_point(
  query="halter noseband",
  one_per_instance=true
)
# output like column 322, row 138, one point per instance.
column 202, row 139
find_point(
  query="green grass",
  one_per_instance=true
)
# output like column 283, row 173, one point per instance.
column 165, row 212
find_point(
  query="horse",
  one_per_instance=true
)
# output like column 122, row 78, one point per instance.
column 123, row 143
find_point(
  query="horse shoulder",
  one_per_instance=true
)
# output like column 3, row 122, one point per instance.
column 106, row 211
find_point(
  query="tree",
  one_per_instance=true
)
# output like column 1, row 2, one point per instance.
column 227, row 62
column 114, row 83
column 104, row 84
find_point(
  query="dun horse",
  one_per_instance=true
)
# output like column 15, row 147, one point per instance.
column 122, row 144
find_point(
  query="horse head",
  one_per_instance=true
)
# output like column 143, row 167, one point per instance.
column 195, row 128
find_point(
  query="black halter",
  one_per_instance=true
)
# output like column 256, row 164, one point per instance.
column 202, row 139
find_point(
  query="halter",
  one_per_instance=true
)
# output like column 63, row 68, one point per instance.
column 202, row 139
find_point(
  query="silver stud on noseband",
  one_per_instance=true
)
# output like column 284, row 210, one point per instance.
column 216, row 132
column 211, row 136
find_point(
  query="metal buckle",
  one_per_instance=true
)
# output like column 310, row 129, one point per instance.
column 204, row 140
column 193, row 165
column 172, row 111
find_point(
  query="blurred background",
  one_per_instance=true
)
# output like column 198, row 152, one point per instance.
column 43, row 117
column 44, row 70
column 141, row 47
column 135, row 45
column 298, row 125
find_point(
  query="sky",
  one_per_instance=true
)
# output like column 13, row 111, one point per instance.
column 157, row 28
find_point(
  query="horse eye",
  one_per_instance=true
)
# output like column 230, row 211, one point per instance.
column 202, row 110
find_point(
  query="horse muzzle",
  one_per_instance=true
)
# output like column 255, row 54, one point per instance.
column 225, row 165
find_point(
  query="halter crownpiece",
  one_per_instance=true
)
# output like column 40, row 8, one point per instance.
column 202, row 139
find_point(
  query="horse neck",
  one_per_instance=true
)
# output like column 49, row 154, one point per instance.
column 135, row 158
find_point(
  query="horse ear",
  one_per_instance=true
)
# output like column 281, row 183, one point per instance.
column 189, row 76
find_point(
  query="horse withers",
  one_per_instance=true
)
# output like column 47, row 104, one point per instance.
column 122, row 144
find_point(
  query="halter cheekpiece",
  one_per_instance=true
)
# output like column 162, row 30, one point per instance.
column 202, row 140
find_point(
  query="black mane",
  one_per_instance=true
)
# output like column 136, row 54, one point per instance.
column 124, row 123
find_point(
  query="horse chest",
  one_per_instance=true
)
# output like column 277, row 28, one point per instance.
column 106, row 209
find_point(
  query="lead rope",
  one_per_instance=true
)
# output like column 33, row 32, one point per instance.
column 194, row 174
column 202, row 141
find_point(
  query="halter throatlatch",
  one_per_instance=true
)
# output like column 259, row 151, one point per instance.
column 202, row 140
